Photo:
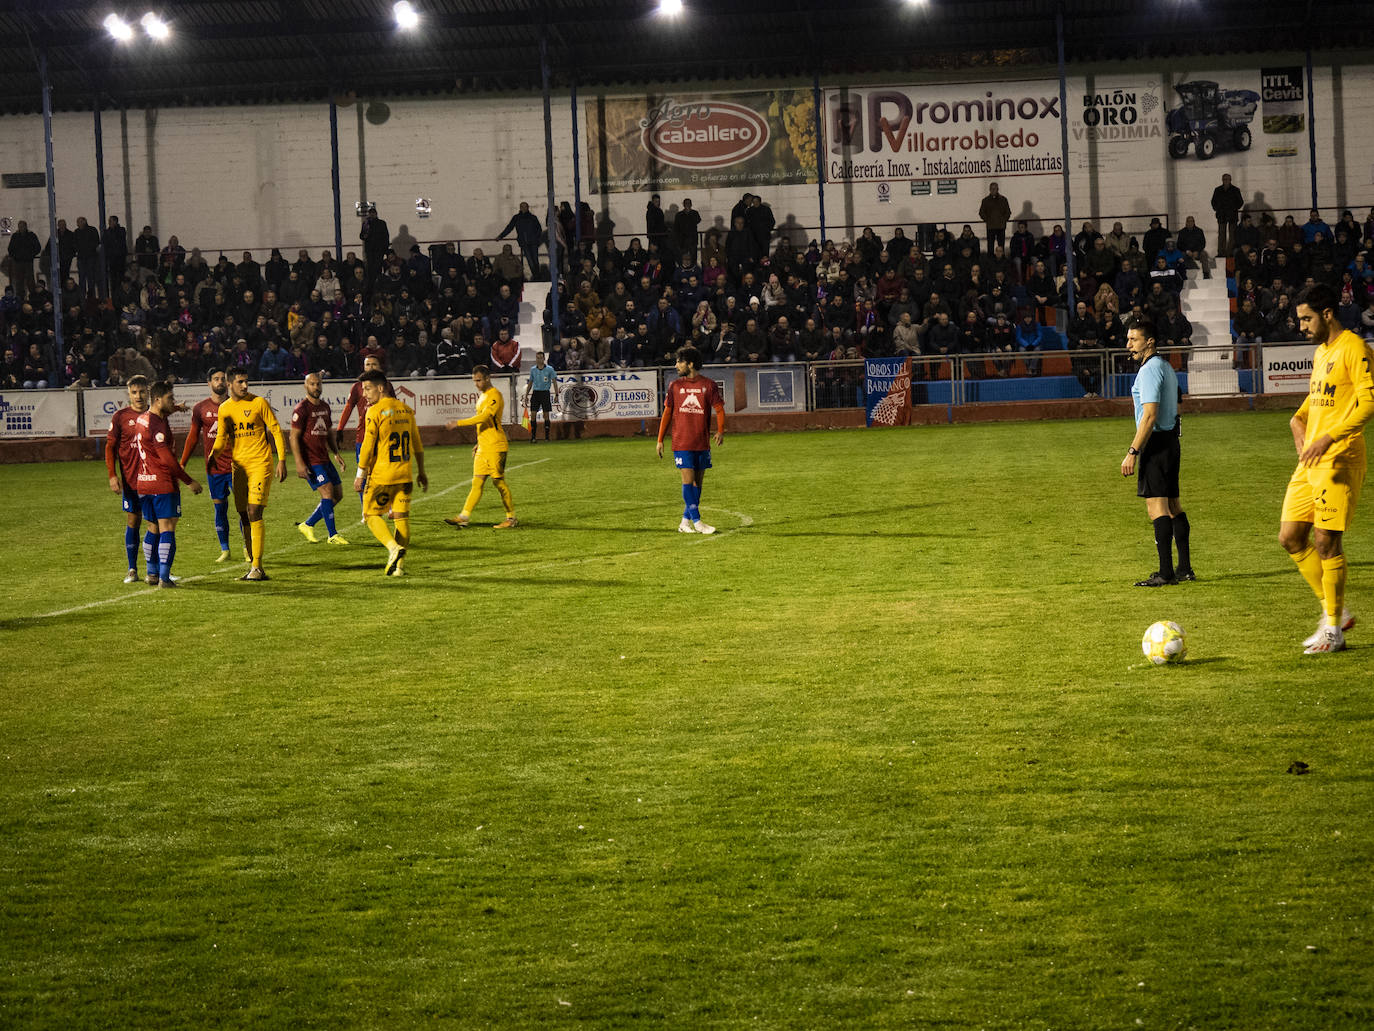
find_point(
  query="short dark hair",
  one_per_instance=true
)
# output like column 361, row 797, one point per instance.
column 374, row 376
column 235, row 371
column 485, row 370
column 690, row 355
column 1145, row 324
column 137, row 381
column 1319, row 297
column 160, row 389
column 212, row 373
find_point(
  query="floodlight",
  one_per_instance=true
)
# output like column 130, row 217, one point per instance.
column 406, row 16
column 154, row 26
column 670, row 8
column 119, row 28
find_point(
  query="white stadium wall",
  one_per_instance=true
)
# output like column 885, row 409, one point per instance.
column 256, row 176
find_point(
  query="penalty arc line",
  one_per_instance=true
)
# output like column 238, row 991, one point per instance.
column 216, row 572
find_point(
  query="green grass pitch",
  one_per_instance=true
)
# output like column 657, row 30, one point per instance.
column 883, row 753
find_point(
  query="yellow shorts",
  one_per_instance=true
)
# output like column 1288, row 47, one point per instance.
column 489, row 463
column 251, row 486
column 383, row 496
column 1324, row 496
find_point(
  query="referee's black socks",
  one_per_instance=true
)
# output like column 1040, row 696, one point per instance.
column 1164, row 544
column 1185, row 561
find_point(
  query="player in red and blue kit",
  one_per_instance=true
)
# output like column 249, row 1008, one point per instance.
column 312, row 441
column 687, row 408
column 119, row 447
column 156, row 480
column 219, row 471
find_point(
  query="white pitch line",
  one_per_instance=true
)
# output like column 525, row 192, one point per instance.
column 227, row 565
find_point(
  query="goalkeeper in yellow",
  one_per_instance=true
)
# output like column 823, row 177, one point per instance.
column 390, row 441
column 245, row 422
column 489, row 456
column 1328, row 432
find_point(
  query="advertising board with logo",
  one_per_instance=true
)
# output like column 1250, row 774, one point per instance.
column 887, row 391
column 951, row 131
column 29, row 414
column 1109, row 119
column 703, row 141
column 756, row 389
column 615, row 394
column 1287, row 368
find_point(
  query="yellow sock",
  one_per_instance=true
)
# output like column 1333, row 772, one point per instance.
column 402, row 530
column 257, row 532
column 506, row 498
column 1333, row 587
column 1310, row 566
column 381, row 531
column 474, row 495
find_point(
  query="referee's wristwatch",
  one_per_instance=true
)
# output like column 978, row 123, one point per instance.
column 1133, row 451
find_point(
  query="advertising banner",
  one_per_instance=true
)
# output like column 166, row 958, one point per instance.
column 701, row 140
column 887, row 391
column 1111, row 120
column 37, row 413
column 612, row 394
column 756, row 389
column 1287, row 368
column 947, row 131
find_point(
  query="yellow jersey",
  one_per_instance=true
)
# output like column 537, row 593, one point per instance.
column 389, row 439
column 244, row 427
column 1340, row 398
column 490, row 436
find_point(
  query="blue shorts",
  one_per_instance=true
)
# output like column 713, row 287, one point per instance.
column 692, row 459
column 319, row 475
column 161, row 506
column 219, row 485
column 130, row 501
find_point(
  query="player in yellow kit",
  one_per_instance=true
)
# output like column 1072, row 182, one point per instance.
column 390, row 441
column 1328, row 432
column 489, row 456
column 245, row 423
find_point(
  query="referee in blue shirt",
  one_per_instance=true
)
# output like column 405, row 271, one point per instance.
column 1156, row 450
column 540, row 389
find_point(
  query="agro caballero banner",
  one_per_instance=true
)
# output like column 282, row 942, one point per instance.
column 701, row 141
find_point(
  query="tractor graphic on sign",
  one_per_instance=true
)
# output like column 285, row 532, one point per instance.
column 1210, row 117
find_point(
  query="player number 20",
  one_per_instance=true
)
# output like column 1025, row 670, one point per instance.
column 399, row 450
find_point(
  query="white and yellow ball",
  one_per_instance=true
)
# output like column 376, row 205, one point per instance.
column 1164, row 642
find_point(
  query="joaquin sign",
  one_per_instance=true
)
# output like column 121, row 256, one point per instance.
column 702, row 141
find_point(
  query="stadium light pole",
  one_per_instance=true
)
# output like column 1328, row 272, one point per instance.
column 577, row 179
column 549, row 231
column 1064, row 151
column 54, row 259
column 104, row 271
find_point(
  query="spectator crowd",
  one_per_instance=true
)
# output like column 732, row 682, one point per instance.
column 745, row 294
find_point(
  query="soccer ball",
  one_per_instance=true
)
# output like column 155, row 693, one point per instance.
column 1164, row 642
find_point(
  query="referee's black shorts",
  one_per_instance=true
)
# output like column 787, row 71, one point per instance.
column 1157, row 470
column 539, row 401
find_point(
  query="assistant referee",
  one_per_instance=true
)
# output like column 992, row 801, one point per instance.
column 1156, row 448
